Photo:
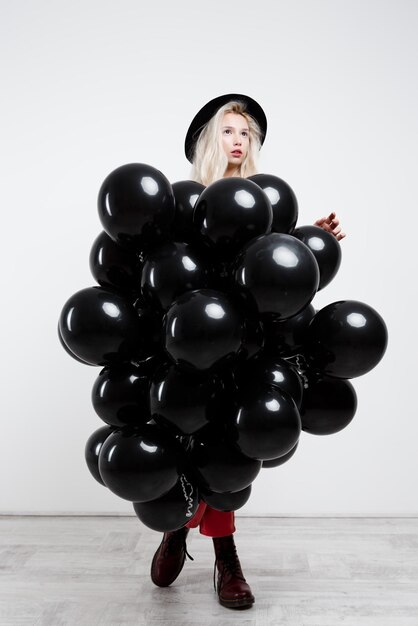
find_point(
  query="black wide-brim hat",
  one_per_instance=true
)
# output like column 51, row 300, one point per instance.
column 211, row 107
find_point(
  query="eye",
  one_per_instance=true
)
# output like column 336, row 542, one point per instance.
column 227, row 130
column 244, row 132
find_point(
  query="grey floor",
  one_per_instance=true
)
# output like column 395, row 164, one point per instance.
column 89, row 571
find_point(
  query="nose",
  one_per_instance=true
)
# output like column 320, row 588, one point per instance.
column 237, row 140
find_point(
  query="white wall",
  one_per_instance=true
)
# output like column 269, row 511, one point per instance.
column 88, row 86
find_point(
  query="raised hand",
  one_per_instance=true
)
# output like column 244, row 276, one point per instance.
column 331, row 225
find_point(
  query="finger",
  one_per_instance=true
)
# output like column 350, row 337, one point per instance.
column 335, row 222
column 326, row 227
column 341, row 236
column 336, row 230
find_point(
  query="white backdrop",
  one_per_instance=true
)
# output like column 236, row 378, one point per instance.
column 88, row 86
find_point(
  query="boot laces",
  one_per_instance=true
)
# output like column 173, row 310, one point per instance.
column 230, row 563
column 174, row 542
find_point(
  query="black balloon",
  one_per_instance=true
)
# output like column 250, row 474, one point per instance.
column 280, row 272
column 172, row 510
column 282, row 199
column 67, row 349
column 150, row 324
column 253, row 338
column 100, row 326
column 231, row 501
column 328, row 405
column 139, row 464
column 203, row 328
column 172, row 269
column 136, row 205
column 346, row 339
column 214, row 359
column 120, row 395
column 114, row 266
column 281, row 459
column 220, row 466
column 230, row 212
column 92, row 450
column 266, row 423
column 186, row 193
column 287, row 337
column 267, row 369
column 184, row 401
column 325, row 248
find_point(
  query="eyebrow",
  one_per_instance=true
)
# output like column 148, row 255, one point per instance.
column 234, row 127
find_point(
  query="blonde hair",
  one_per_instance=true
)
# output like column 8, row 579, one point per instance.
column 209, row 159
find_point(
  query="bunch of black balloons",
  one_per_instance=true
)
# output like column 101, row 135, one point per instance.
column 213, row 356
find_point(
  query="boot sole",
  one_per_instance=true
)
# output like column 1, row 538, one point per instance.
column 244, row 603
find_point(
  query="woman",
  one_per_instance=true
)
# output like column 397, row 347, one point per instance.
column 224, row 139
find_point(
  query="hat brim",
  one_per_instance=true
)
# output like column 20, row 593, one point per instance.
column 210, row 108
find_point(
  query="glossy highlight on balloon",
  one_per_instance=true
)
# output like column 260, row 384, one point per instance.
column 139, row 464
column 113, row 266
column 185, row 402
column 231, row 212
column 67, row 349
column 346, row 339
column 282, row 199
column 266, row 423
column 328, row 405
column 186, row 193
column 100, row 326
column 171, row 270
column 267, row 369
column 280, row 272
column 136, row 205
column 203, row 329
column 120, row 395
column 92, row 450
column 287, row 337
column 325, row 248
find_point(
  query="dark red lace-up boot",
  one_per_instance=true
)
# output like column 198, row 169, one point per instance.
column 233, row 590
column 169, row 559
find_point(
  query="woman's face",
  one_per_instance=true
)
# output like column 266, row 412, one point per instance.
column 235, row 138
